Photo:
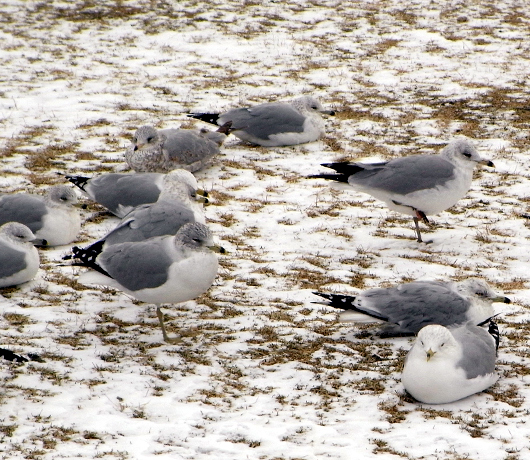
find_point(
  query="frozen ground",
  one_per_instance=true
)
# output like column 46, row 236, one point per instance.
column 264, row 373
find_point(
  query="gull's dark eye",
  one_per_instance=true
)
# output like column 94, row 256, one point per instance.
column 149, row 139
column 466, row 154
column 442, row 345
column 314, row 107
column 197, row 240
column 135, row 140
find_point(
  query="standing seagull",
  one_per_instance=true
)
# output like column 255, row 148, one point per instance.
column 162, row 151
column 19, row 260
column 121, row 192
column 418, row 185
column 275, row 123
column 446, row 365
column 409, row 307
column 164, row 269
column 52, row 217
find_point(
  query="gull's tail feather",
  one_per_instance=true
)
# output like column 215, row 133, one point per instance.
column 207, row 117
column 79, row 181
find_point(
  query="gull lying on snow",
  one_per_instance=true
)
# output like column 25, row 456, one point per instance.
column 19, row 259
column 409, row 307
column 120, row 192
column 275, row 123
column 418, row 185
column 165, row 269
column 162, row 151
column 446, row 365
column 52, row 217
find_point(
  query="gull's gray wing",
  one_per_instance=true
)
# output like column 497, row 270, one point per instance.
column 404, row 175
column 264, row 120
column 184, row 146
column 479, row 350
column 118, row 191
column 161, row 218
column 11, row 260
column 139, row 265
column 412, row 306
column 26, row 209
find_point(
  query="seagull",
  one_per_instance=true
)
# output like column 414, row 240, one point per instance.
column 409, row 307
column 417, row 185
column 162, row 151
column 53, row 217
column 164, row 269
column 121, row 192
column 448, row 364
column 19, row 259
column 275, row 123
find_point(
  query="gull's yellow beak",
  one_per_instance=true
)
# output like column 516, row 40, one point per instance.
column 217, row 248
column 487, row 163
column 430, row 354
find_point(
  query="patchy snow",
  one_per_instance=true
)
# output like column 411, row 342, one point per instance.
column 264, row 373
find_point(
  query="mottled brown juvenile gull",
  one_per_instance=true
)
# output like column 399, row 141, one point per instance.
column 53, row 217
column 162, row 151
column 165, row 269
column 120, row 193
column 418, row 185
column 408, row 307
column 448, row 364
column 19, row 259
column 275, row 123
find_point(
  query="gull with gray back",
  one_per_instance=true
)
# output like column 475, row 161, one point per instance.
column 274, row 123
column 408, row 307
column 417, row 185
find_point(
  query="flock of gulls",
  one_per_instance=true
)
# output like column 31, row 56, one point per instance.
column 162, row 251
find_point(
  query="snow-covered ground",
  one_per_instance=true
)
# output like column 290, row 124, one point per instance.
column 263, row 372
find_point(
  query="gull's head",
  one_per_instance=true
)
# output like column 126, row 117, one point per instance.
column 183, row 184
column 435, row 341
column 479, row 289
column 61, row 195
column 310, row 104
column 462, row 151
column 17, row 232
column 197, row 236
column 145, row 137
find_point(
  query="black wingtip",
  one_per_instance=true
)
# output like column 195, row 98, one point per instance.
column 493, row 329
column 335, row 177
column 79, row 181
column 206, row 117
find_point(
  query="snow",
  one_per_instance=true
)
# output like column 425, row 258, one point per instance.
column 264, row 373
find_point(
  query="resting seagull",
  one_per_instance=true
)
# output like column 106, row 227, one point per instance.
column 446, row 365
column 163, row 269
column 409, row 307
column 19, row 259
column 53, row 217
column 275, row 123
column 162, row 151
column 120, row 193
column 418, row 185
